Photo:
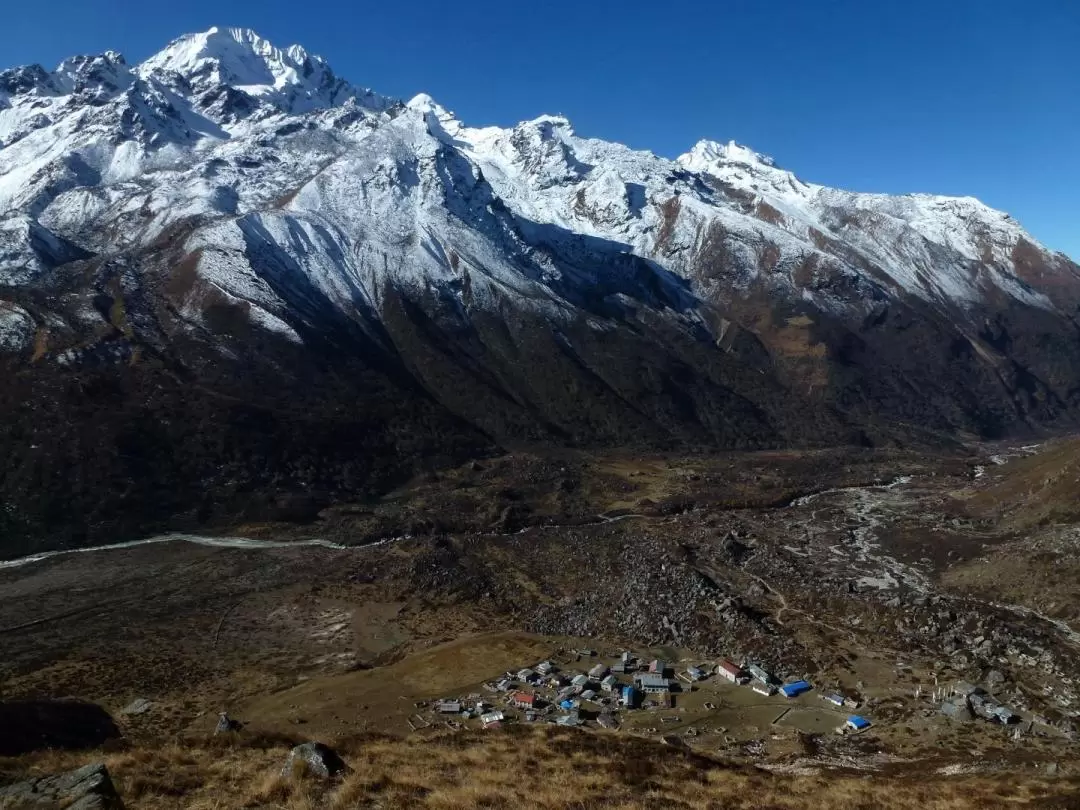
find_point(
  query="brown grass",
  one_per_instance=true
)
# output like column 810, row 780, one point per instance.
column 1033, row 490
column 41, row 344
column 523, row 767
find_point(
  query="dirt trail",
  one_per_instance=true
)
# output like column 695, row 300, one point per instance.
column 201, row 540
column 864, row 506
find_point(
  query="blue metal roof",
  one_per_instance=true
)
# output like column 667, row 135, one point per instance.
column 797, row 688
column 859, row 722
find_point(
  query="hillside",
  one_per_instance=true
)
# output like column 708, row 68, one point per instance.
column 1030, row 489
column 1030, row 497
column 855, row 571
column 236, row 287
column 528, row 768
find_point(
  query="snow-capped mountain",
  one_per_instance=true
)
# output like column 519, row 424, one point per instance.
column 229, row 228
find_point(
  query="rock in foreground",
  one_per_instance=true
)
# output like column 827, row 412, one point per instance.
column 87, row 788
column 314, row 759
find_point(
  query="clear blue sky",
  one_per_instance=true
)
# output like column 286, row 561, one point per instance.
column 978, row 97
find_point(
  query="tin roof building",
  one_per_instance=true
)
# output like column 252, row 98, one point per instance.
column 758, row 673
column 791, row 690
column 857, row 723
column 523, row 700
column 732, row 672
column 651, row 682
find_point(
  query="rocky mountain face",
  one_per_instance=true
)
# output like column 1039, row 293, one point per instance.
column 235, row 286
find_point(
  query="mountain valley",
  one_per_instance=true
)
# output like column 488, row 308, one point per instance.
column 321, row 408
column 234, row 285
column 852, row 570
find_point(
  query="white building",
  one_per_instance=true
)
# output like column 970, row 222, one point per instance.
column 651, row 683
column 729, row 671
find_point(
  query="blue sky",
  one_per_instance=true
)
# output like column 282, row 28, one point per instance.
column 978, row 97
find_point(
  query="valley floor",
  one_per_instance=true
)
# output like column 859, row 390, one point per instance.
column 880, row 575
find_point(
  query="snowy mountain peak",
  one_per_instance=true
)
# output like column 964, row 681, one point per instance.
column 290, row 79
column 214, row 108
column 75, row 63
column 27, row 78
column 423, row 103
column 234, row 210
column 228, row 55
column 101, row 75
column 706, row 154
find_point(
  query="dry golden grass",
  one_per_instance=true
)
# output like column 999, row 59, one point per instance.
column 1033, row 490
column 543, row 768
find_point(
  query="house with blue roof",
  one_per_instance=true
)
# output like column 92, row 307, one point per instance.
column 857, row 723
column 790, row 690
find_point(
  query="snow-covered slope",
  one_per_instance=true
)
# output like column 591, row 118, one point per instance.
column 900, row 234
column 223, row 123
column 236, row 213
column 290, row 80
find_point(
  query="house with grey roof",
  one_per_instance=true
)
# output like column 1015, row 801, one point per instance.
column 652, row 683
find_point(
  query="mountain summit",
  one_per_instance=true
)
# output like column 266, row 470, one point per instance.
column 229, row 277
column 240, row 59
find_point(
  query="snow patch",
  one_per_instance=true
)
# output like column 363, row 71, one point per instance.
column 17, row 328
column 706, row 155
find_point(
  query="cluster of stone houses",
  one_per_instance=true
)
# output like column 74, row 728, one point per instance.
column 760, row 680
column 967, row 701
column 546, row 692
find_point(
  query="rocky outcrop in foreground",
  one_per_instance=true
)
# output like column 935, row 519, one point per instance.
column 88, row 788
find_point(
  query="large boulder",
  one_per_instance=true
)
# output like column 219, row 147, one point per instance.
column 313, row 759
column 32, row 725
column 87, row 788
column 225, row 724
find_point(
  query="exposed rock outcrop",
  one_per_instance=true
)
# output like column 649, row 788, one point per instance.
column 88, row 788
column 33, row 725
column 313, row 759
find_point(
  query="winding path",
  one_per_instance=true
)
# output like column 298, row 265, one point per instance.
column 1061, row 627
column 251, row 543
column 177, row 537
column 254, row 544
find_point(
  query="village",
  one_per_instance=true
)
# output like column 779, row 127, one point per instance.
column 719, row 703
column 640, row 693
